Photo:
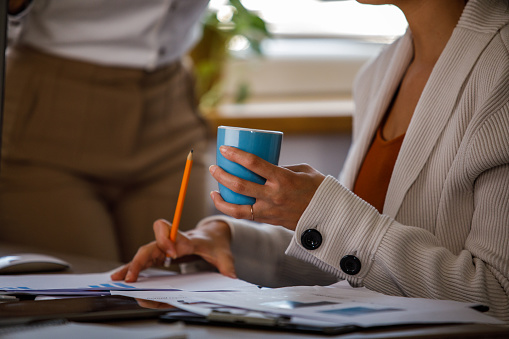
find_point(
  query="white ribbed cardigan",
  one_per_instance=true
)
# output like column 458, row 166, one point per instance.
column 444, row 231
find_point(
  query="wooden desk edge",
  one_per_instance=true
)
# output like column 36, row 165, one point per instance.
column 287, row 125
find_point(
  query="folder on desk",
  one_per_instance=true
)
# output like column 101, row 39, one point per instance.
column 84, row 309
column 258, row 320
column 65, row 329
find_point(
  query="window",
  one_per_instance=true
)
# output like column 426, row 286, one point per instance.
column 317, row 48
column 315, row 18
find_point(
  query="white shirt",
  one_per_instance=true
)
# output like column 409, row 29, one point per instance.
column 130, row 33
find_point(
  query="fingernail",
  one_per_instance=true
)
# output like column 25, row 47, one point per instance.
column 222, row 149
column 233, row 275
column 212, row 169
column 128, row 276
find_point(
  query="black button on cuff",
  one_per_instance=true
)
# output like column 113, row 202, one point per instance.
column 350, row 264
column 311, row 239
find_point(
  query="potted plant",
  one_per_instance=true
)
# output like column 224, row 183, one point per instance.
column 232, row 24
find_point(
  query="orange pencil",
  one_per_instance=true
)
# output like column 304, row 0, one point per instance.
column 180, row 204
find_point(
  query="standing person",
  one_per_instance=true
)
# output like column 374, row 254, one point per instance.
column 100, row 115
column 437, row 100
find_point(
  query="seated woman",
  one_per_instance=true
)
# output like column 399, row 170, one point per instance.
column 422, row 205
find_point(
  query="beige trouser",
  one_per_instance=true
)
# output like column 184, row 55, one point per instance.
column 93, row 155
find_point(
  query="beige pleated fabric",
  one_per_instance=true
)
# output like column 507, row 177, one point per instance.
column 93, row 155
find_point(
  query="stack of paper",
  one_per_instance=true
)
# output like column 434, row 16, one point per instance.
column 335, row 305
column 213, row 295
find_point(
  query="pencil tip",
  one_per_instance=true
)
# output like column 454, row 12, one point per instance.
column 191, row 150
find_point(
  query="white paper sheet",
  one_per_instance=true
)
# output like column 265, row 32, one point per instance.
column 150, row 280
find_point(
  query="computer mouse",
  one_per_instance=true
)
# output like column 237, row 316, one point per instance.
column 31, row 263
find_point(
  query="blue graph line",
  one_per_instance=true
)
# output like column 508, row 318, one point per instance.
column 110, row 286
column 106, row 285
column 123, row 285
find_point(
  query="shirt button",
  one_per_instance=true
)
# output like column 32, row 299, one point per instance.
column 350, row 264
column 311, row 239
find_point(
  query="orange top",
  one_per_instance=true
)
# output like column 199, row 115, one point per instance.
column 376, row 170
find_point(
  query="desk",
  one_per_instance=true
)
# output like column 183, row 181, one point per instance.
column 86, row 265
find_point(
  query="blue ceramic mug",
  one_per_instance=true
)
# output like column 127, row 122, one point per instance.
column 265, row 144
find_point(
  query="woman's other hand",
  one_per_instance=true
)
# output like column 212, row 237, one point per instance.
column 280, row 201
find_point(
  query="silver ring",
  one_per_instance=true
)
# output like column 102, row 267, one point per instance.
column 252, row 214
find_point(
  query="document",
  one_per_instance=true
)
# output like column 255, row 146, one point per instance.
column 100, row 283
column 336, row 305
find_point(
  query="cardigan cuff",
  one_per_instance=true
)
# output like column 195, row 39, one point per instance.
column 348, row 226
